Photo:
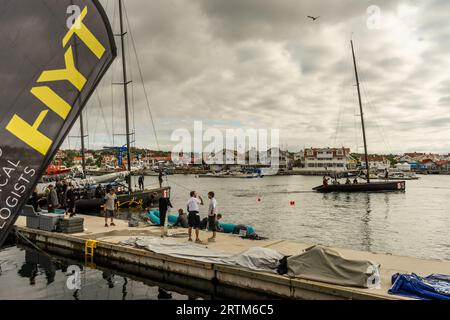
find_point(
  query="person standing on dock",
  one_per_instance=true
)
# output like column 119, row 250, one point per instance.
column 164, row 204
column 193, row 207
column 34, row 200
column 160, row 178
column 99, row 192
column 141, row 181
column 212, row 213
column 52, row 199
column 386, row 174
column 110, row 207
column 70, row 200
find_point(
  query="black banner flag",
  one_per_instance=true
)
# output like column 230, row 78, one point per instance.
column 53, row 54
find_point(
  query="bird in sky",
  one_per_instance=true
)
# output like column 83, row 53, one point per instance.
column 313, row 18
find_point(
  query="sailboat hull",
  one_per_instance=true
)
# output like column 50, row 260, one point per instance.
column 363, row 187
column 124, row 201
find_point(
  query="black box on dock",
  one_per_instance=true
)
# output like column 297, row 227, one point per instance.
column 72, row 225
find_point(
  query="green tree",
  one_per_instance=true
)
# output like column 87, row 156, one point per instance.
column 90, row 162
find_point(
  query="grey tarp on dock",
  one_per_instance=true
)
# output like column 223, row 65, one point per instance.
column 326, row 265
column 258, row 259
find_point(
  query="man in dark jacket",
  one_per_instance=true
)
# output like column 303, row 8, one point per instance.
column 141, row 181
column 34, row 200
column 99, row 192
column 70, row 200
column 160, row 178
column 164, row 204
column 52, row 199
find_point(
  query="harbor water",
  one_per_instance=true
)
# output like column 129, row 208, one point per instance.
column 415, row 223
column 26, row 273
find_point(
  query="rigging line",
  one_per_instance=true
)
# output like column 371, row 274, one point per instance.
column 177, row 184
column 375, row 111
column 382, row 130
column 355, row 126
column 377, row 125
column 133, row 104
column 338, row 124
column 142, row 78
column 342, row 104
column 96, row 123
column 103, row 116
column 369, row 104
column 113, row 67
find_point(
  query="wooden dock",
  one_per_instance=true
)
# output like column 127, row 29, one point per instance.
column 197, row 275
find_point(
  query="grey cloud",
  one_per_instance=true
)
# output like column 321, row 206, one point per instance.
column 264, row 63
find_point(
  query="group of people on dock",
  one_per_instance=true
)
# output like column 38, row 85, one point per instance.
column 192, row 219
column 61, row 195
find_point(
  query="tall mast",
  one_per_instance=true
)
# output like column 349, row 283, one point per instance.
column 82, row 136
column 125, row 93
column 361, row 112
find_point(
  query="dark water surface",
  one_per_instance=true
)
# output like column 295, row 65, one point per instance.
column 28, row 274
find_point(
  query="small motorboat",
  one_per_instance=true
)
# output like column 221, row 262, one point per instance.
column 399, row 175
column 53, row 170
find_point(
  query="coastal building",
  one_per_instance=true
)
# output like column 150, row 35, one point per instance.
column 109, row 160
column 155, row 161
column 403, row 166
column 443, row 165
column 298, row 159
column 319, row 159
column 428, row 164
column 77, row 161
column 375, row 162
column 280, row 157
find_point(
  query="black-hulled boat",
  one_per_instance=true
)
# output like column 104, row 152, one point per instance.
column 138, row 199
column 368, row 186
column 363, row 187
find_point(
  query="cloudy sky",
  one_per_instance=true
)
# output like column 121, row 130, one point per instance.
column 263, row 64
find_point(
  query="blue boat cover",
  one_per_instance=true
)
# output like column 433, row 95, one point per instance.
column 433, row 287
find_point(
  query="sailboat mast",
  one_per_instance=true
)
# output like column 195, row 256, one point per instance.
column 361, row 113
column 125, row 93
column 83, row 155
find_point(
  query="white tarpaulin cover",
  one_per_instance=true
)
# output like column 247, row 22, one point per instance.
column 326, row 265
column 259, row 259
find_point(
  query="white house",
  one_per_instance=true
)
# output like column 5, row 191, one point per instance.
column 320, row 159
column 375, row 162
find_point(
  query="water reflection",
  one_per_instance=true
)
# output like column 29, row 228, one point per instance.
column 358, row 205
column 387, row 206
column 36, row 264
column 366, row 231
column 109, row 277
column 163, row 294
column 124, row 289
column 36, row 267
